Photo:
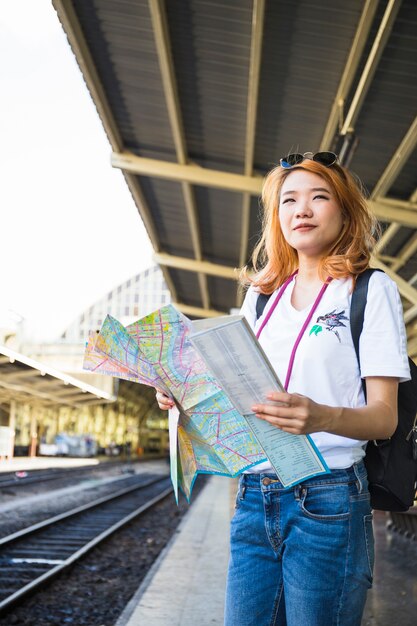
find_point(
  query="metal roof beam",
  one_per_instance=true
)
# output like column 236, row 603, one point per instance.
column 391, row 209
column 397, row 162
column 190, row 173
column 87, row 402
column 18, row 375
column 371, row 64
column 251, row 115
column 74, row 398
column 166, row 65
column 43, row 372
column 413, row 279
column 412, row 348
column 386, row 237
column 33, row 394
column 410, row 314
column 67, row 393
column 49, row 384
column 394, row 227
column 386, row 258
column 405, row 253
column 11, row 396
column 393, row 213
column 29, row 391
column 396, row 203
column 145, row 213
column 405, row 289
column 411, row 331
column 191, row 265
column 253, row 87
column 191, row 209
column 349, row 72
column 143, row 208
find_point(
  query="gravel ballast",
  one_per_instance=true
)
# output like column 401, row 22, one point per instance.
column 95, row 591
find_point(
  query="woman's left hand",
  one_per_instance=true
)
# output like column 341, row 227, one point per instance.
column 293, row 413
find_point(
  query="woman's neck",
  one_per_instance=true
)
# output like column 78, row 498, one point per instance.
column 308, row 272
column 307, row 285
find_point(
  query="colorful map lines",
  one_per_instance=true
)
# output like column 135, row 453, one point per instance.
column 212, row 437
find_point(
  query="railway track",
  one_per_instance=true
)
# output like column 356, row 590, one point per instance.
column 30, row 477
column 35, row 555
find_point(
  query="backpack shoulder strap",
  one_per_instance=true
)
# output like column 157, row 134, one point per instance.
column 261, row 301
column 357, row 307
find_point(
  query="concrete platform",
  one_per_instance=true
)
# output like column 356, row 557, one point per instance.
column 27, row 463
column 186, row 585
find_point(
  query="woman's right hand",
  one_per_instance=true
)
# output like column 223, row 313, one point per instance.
column 164, row 402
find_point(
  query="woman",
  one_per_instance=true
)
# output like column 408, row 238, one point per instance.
column 304, row 555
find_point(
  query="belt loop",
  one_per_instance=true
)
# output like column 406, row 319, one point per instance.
column 358, row 478
column 242, row 487
column 297, row 492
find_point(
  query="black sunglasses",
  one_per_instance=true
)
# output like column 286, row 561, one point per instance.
column 324, row 158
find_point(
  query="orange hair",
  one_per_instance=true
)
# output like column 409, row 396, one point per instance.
column 274, row 260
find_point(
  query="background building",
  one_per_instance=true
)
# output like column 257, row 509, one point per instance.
column 127, row 302
column 133, row 421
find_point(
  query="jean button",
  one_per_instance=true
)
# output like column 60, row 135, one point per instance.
column 266, row 481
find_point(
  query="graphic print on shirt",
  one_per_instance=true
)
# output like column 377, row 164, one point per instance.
column 331, row 321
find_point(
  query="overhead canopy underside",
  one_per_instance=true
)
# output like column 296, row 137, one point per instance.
column 27, row 381
column 200, row 98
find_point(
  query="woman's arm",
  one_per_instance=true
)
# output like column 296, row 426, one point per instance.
column 298, row 414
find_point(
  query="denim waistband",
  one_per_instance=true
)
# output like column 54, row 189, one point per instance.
column 355, row 473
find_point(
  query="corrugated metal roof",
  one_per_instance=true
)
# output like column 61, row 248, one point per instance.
column 187, row 287
column 168, row 211
column 405, row 183
column 218, row 207
column 120, row 39
column 391, row 104
column 193, row 91
column 305, row 46
column 210, row 44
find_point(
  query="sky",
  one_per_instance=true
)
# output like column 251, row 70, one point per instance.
column 70, row 231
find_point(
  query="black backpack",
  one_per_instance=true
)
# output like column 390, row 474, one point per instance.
column 391, row 464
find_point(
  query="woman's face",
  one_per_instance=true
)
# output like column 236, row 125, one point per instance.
column 310, row 217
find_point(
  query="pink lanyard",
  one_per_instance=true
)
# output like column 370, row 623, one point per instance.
column 306, row 323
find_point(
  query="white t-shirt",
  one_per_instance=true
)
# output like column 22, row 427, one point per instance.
column 325, row 367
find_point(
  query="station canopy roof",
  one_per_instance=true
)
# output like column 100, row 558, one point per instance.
column 200, row 98
column 25, row 380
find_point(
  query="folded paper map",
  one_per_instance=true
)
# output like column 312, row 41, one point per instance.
column 214, row 370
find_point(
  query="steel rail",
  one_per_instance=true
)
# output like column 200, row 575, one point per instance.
column 51, row 521
column 9, row 479
column 26, row 589
column 17, row 481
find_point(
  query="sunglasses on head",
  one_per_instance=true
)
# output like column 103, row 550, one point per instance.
column 324, row 158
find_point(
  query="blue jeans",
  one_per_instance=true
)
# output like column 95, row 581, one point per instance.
column 301, row 556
